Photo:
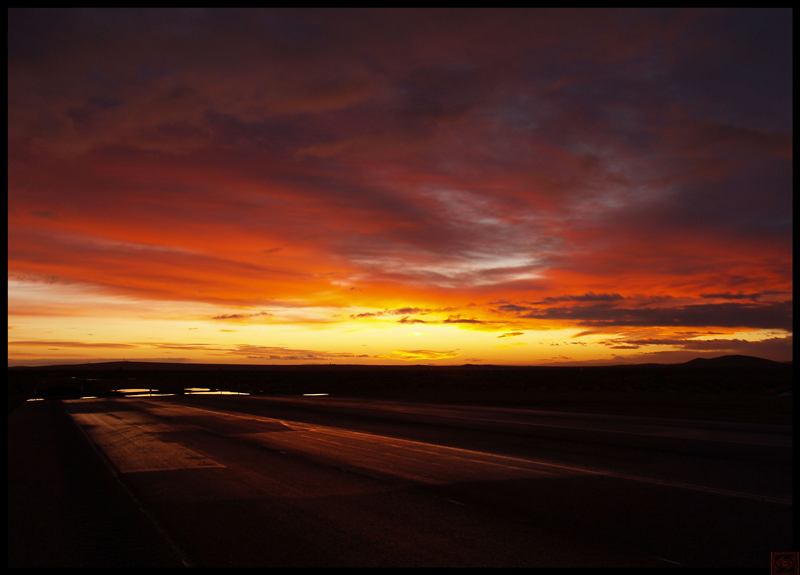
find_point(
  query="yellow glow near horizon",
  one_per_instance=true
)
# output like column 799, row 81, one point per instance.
column 79, row 324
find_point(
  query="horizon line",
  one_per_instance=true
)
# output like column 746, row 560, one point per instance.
column 589, row 363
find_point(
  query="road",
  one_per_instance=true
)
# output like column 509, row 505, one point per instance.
column 323, row 481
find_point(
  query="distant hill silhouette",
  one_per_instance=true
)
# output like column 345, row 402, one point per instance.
column 114, row 365
column 496, row 385
column 140, row 366
column 732, row 361
column 722, row 361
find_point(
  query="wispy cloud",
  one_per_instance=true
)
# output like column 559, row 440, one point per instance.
column 242, row 316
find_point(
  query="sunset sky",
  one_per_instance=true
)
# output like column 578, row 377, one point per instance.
column 527, row 187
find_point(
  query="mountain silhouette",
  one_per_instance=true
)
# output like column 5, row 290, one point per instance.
column 731, row 361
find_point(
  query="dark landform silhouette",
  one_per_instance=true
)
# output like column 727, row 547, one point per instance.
column 543, row 386
column 732, row 361
column 722, row 361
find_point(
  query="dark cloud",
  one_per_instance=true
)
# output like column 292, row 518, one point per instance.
column 751, row 296
column 513, row 308
column 774, row 347
column 763, row 316
column 587, row 332
column 47, row 214
column 753, row 200
column 411, row 321
column 408, row 310
column 459, row 319
column 401, row 311
column 589, row 296
column 242, row 315
column 365, row 314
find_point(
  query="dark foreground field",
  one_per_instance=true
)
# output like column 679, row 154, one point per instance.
column 467, row 466
column 732, row 386
column 260, row 481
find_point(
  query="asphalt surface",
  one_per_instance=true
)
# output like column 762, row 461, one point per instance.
column 327, row 482
column 66, row 508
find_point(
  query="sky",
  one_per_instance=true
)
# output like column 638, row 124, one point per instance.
column 399, row 187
